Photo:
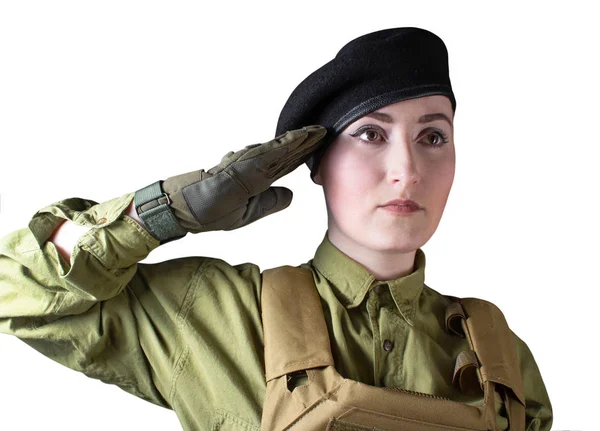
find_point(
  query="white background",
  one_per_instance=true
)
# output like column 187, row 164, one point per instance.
column 98, row 99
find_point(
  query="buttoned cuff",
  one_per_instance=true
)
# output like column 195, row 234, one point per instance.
column 104, row 257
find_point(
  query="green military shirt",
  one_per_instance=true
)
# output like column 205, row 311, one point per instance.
column 186, row 334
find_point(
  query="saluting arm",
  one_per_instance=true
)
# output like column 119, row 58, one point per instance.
column 69, row 282
column 82, row 311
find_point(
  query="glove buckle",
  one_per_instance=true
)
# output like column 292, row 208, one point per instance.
column 156, row 213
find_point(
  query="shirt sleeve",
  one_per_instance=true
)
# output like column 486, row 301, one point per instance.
column 185, row 334
column 90, row 314
column 538, row 409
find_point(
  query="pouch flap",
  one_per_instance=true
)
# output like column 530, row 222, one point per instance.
column 294, row 327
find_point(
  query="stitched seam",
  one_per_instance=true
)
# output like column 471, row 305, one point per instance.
column 177, row 371
column 180, row 322
column 280, row 371
column 221, row 414
column 382, row 98
column 190, row 295
column 321, row 401
column 355, row 427
column 309, row 362
column 58, row 300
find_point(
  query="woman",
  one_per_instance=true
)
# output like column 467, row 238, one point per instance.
column 187, row 334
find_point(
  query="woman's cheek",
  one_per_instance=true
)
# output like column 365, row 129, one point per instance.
column 441, row 184
column 447, row 175
column 361, row 165
column 345, row 194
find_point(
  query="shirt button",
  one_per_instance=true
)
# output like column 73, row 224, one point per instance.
column 388, row 345
column 101, row 221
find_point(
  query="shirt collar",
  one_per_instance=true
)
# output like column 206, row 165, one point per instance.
column 351, row 281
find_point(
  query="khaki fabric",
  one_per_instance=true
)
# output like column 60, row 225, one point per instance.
column 296, row 339
column 186, row 334
column 307, row 346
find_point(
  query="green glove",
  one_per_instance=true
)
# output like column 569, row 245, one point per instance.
column 232, row 194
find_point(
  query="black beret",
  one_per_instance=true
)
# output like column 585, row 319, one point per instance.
column 369, row 72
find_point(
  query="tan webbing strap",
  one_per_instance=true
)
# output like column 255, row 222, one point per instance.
column 515, row 410
column 295, row 331
column 494, row 344
column 492, row 358
column 465, row 372
column 455, row 315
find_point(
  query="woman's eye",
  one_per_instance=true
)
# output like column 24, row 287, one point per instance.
column 368, row 135
column 439, row 139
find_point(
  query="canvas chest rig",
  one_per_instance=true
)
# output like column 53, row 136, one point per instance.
column 297, row 343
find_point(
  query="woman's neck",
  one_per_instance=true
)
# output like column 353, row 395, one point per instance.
column 383, row 264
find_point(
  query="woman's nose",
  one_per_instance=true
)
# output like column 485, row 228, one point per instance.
column 402, row 164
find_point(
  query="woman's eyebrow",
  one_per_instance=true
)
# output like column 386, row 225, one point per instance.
column 427, row 118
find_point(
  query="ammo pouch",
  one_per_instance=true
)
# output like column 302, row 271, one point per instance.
column 297, row 348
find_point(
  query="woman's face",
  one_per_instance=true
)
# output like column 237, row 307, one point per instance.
column 401, row 151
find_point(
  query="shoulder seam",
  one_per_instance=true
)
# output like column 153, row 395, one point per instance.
column 190, row 294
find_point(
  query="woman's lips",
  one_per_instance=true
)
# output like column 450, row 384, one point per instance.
column 399, row 206
column 401, row 209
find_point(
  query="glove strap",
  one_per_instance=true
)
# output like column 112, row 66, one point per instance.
column 153, row 208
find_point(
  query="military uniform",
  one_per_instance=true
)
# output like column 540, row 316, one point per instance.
column 187, row 334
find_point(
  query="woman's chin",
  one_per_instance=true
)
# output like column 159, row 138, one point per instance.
column 395, row 242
